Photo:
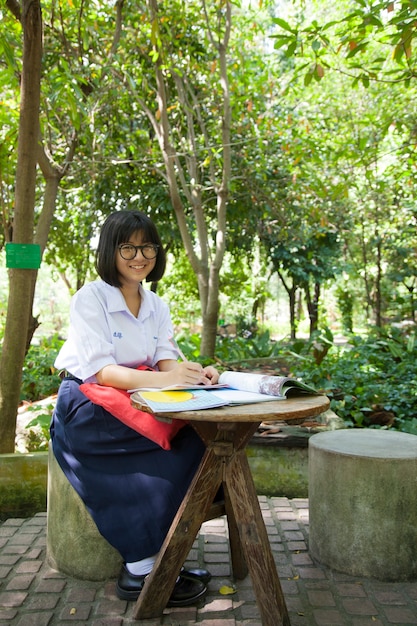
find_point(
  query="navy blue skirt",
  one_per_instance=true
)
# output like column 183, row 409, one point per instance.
column 130, row 485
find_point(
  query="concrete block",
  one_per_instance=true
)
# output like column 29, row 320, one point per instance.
column 74, row 544
column 363, row 502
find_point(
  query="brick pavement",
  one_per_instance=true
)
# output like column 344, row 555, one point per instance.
column 31, row 594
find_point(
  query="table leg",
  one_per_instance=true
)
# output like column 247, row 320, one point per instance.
column 233, row 436
column 255, row 542
column 239, row 567
column 224, row 462
column 180, row 538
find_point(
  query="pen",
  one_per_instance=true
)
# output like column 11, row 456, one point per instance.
column 180, row 352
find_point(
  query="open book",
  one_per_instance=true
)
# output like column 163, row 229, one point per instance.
column 233, row 388
column 281, row 386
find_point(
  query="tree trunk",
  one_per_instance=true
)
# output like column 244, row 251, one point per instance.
column 210, row 317
column 366, row 277
column 410, row 289
column 293, row 321
column 292, row 292
column 185, row 183
column 313, row 306
column 378, row 281
column 19, row 309
column 52, row 176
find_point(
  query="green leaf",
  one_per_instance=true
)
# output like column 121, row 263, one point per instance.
column 280, row 22
column 361, row 47
column 281, row 40
column 291, row 49
column 308, row 77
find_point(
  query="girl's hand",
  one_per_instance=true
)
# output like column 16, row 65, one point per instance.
column 211, row 374
column 188, row 373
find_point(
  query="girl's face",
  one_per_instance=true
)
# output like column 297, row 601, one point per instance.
column 133, row 265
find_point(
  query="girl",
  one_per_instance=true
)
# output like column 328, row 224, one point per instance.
column 130, row 485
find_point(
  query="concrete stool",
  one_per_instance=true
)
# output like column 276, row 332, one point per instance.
column 363, row 502
column 74, row 544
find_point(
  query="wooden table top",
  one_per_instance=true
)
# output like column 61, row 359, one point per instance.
column 298, row 408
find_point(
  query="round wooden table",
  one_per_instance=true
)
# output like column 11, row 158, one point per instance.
column 226, row 432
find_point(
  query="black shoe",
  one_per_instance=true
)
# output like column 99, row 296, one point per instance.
column 129, row 586
column 196, row 574
column 186, row 591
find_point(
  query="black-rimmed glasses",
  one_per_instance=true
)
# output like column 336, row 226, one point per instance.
column 128, row 251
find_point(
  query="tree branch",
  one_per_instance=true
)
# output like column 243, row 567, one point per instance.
column 118, row 27
column 14, row 7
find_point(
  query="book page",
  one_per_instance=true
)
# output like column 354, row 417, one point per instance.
column 174, row 401
column 256, row 383
column 178, row 388
column 237, row 396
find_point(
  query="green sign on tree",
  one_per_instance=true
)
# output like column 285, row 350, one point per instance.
column 24, row 256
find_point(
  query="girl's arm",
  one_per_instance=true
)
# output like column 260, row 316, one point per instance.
column 170, row 373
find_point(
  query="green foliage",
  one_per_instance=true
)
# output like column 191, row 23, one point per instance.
column 190, row 345
column 246, row 346
column 373, row 41
column 40, row 379
column 371, row 381
column 179, row 288
column 345, row 303
column 239, row 348
column 324, row 178
column 22, row 500
column 313, row 350
column 305, row 169
column 38, row 437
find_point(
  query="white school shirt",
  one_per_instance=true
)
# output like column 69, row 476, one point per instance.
column 103, row 332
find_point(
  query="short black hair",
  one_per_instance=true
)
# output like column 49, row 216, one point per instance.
column 117, row 229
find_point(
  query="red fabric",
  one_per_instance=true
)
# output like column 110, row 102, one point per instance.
column 117, row 402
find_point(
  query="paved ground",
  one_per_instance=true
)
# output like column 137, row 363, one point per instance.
column 31, row 594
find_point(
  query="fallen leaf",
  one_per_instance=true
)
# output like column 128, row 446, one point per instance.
column 227, row 591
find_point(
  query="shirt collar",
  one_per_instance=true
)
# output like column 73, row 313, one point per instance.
column 116, row 302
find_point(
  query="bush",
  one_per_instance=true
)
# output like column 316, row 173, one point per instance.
column 39, row 377
column 372, row 381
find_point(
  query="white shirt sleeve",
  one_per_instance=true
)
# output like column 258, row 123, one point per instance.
column 88, row 347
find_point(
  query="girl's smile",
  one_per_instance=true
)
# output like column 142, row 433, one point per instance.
column 135, row 269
